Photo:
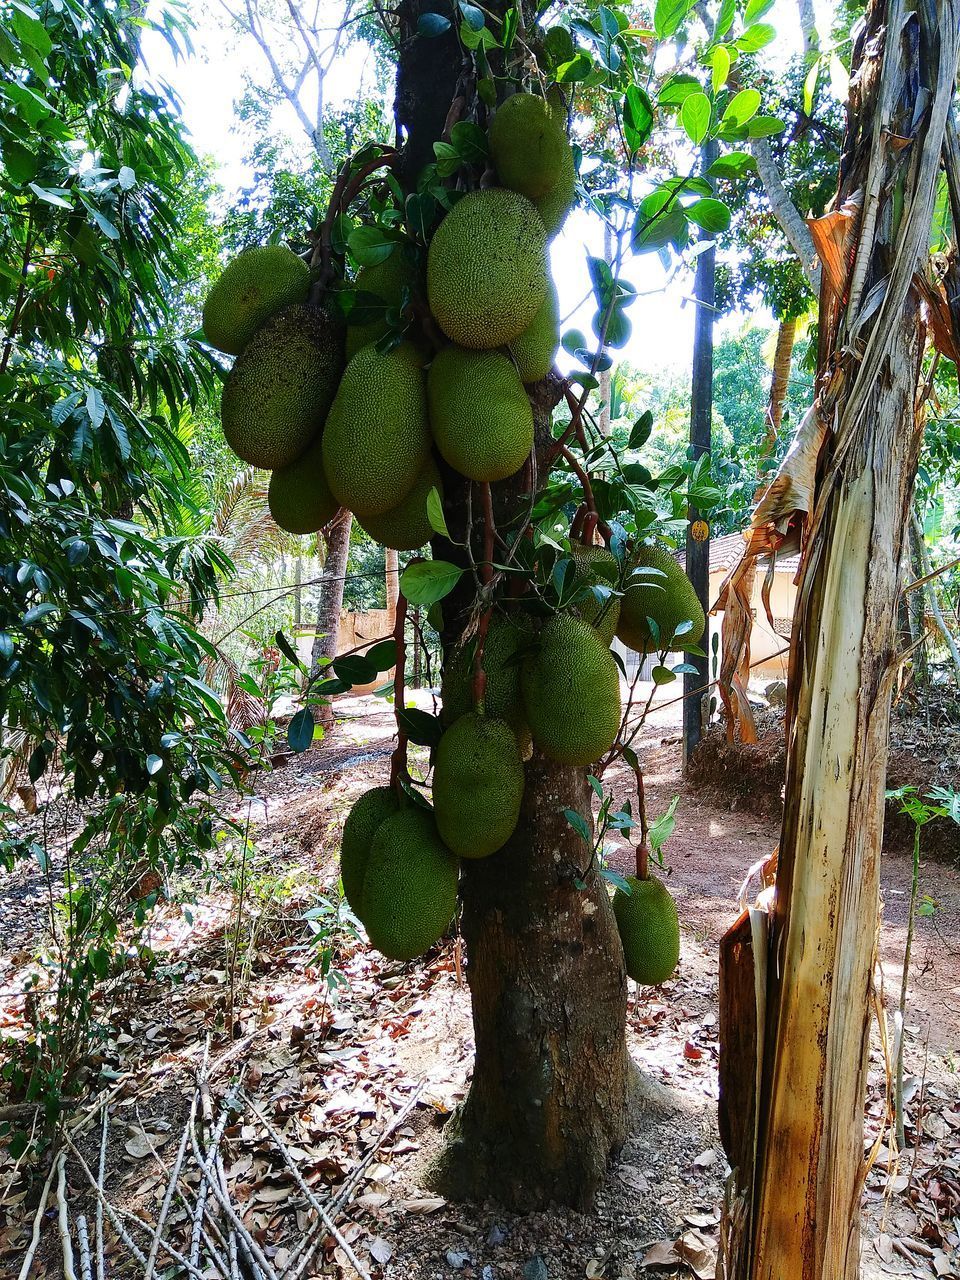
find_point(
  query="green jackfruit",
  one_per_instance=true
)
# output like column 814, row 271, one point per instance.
column 649, row 930
column 596, row 566
column 376, row 442
column 571, row 692
column 487, row 268
column 253, row 287
column 387, row 280
column 668, row 600
column 410, row 886
column 363, row 822
column 477, row 785
column 526, row 145
column 299, row 497
column 559, row 200
column 407, row 526
column 535, row 350
column 480, row 414
column 277, row 394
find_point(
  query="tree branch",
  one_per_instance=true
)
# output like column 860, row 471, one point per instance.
column 786, row 212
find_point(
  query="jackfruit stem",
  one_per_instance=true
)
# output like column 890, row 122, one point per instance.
column 643, row 849
column 643, row 861
column 587, row 487
column 345, row 190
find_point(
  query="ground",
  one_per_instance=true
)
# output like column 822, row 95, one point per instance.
column 330, row 1070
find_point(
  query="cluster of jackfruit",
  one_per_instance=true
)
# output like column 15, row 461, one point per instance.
column 342, row 416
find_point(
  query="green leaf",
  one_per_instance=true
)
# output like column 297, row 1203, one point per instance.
column 711, row 215
column 300, row 731
column 419, row 726
column 756, row 37
column 755, row 10
column 661, row 830
column 154, row 764
column 470, row 141
column 578, row 68
column 54, row 196
column 728, row 11
column 720, row 64
column 617, row 880
column 637, row 117
column 641, row 430
column 668, row 17
column 369, row 245
column 429, row 581
column 472, row 16
column 32, row 31
column 127, row 178
column 839, row 79
column 288, row 651
column 695, row 117
column 736, row 164
column 574, row 340
column 765, row 127
column 742, row 107
column 662, row 675
column 383, row 655
column 354, row 668
column 810, row 86
column 677, row 89
column 580, row 825
column 435, row 514
column 432, row 24
column 558, row 46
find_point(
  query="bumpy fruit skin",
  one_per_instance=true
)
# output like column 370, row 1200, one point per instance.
column 299, row 497
column 410, row 886
column 376, row 441
column 649, row 930
column 477, row 785
column 480, row 415
column 535, row 350
column 502, row 698
column 386, row 280
column 669, row 601
column 253, row 287
column 363, row 821
column 407, row 526
column 557, row 203
column 526, row 145
column 277, row 394
column 596, row 566
column 571, row 692
column 487, row 268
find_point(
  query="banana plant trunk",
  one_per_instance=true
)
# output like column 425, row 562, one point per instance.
column 547, row 1104
column 802, row 975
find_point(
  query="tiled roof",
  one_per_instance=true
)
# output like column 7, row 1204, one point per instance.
column 726, row 550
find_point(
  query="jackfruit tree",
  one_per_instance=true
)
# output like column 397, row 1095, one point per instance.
column 421, row 394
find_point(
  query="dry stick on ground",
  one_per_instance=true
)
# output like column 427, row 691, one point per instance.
column 38, row 1219
column 168, row 1195
column 63, row 1219
column 83, row 1239
column 101, row 1173
column 315, row 1204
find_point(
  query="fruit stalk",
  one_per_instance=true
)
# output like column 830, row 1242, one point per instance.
column 643, row 848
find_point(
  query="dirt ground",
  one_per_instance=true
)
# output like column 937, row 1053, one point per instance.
column 332, row 1070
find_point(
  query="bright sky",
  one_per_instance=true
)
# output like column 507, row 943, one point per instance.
column 209, row 83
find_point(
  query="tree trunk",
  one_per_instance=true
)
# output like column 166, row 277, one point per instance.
column 546, row 1107
column 780, row 382
column 331, row 591
column 548, row 1098
column 391, row 582
column 794, row 1208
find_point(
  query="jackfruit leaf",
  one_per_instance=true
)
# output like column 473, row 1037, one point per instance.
column 429, row 581
column 586, row 380
column 449, row 159
column 472, row 15
column 419, row 726
column 288, row 651
column 637, row 473
column 300, row 731
column 578, row 68
column 579, row 824
column 637, row 117
column 728, row 11
column 663, row 675
column 383, row 655
column 616, row 879
column 558, row 45
column 655, row 231
column 474, row 39
column 601, row 279
column 765, row 127
column 327, row 688
column 470, row 141
column 416, row 796
column 676, row 89
column 711, row 215
column 642, row 428
column 596, row 786
column 661, row 830
column 682, row 628
column 620, row 663
column 432, row 24
column 355, row 669
column 719, row 67
column 511, row 24
column 154, row 764
column 755, row 10
column 613, row 330
column 736, row 164
column 684, row 669
column 742, row 107
column 632, row 760
column 564, row 572
column 573, row 342
column 370, row 245
column 668, row 17
column 618, row 540
column 695, row 117
column 421, row 211
column 648, row 571
column 810, row 86
column 756, row 37
column 623, row 819
column 435, row 514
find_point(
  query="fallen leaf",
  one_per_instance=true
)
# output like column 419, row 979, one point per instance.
column 380, row 1251
column 710, row 1219
column 884, row 1246
column 699, row 1252
column 705, row 1159
column 423, row 1204
column 662, row 1254
column 143, row 1144
column 691, row 1052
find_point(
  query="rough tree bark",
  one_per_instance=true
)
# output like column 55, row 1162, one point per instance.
column 331, row 591
column 548, row 1100
column 794, row 1203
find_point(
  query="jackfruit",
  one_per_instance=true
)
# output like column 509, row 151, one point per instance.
column 407, row 526
column 596, row 566
column 535, row 349
column 559, row 200
column 649, row 930
column 299, row 497
column 669, row 601
column 571, row 692
column 487, row 268
column 410, row 886
column 480, row 415
column 526, row 145
column 363, row 822
column 277, row 394
column 501, row 665
column 477, row 785
column 253, row 287
column 376, row 441
column 387, row 280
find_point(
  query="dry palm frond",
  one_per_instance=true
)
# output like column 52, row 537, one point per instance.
column 242, row 522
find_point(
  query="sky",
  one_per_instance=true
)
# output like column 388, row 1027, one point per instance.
column 209, row 83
